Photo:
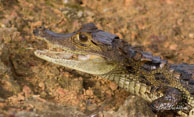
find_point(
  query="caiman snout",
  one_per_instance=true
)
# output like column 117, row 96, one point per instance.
column 38, row 30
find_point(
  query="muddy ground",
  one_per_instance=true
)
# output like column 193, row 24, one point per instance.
column 31, row 87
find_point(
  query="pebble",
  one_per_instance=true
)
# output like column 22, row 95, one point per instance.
column 191, row 35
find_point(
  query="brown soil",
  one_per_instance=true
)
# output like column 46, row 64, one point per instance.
column 33, row 87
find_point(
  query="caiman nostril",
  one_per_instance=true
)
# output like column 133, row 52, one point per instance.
column 38, row 30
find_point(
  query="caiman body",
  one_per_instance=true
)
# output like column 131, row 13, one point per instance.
column 93, row 51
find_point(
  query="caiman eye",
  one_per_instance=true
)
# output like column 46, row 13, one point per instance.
column 83, row 38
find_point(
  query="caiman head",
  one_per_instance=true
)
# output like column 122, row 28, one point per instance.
column 88, row 49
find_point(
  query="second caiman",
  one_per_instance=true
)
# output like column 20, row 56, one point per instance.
column 90, row 50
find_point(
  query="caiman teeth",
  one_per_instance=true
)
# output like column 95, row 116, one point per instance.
column 62, row 55
column 83, row 57
column 67, row 56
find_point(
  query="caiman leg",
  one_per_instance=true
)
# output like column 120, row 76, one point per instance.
column 167, row 102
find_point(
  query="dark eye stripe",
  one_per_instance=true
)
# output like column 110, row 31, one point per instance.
column 93, row 42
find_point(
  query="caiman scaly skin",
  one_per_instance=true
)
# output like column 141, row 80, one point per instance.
column 90, row 50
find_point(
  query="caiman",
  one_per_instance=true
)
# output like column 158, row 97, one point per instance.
column 165, row 86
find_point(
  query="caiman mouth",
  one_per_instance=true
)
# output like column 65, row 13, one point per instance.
column 88, row 63
column 65, row 55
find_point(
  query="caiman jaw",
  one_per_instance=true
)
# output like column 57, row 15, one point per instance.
column 70, row 55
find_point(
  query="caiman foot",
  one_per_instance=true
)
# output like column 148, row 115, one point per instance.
column 169, row 101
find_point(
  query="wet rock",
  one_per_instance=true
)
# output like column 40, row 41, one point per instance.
column 48, row 109
column 132, row 107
